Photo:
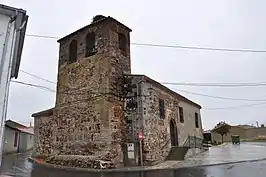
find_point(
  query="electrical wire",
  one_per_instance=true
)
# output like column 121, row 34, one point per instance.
column 185, row 91
column 104, row 94
column 217, row 84
column 254, row 84
column 38, row 77
column 200, row 48
column 218, row 97
column 34, row 85
column 234, row 107
column 171, row 46
column 42, row 36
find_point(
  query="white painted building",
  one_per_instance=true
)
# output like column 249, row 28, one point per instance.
column 13, row 24
column 17, row 138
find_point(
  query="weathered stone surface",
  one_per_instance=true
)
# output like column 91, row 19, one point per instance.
column 43, row 130
column 80, row 161
column 87, row 119
column 156, row 130
column 90, row 124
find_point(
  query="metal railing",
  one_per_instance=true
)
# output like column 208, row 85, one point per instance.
column 193, row 142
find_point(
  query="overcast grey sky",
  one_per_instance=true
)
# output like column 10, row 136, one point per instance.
column 220, row 24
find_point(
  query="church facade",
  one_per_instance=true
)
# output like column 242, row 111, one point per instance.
column 95, row 119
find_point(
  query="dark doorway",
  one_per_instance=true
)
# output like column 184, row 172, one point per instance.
column 173, row 133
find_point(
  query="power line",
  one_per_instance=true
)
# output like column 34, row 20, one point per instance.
column 200, row 48
column 34, row 85
column 42, row 36
column 100, row 94
column 218, row 97
column 185, row 91
column 199, row 94
column 217, row 84
column 172, row 46
column 38, row 77
column 254, row 84
column 234, row 107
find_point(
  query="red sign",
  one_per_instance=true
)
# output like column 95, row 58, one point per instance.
column 140, row 136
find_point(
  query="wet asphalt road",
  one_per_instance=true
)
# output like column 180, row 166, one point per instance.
column 256, row 169
column 18, row 165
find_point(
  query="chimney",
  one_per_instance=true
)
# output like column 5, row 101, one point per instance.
column 30, row 124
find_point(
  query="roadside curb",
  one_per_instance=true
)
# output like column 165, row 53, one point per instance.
column 225, row 163
column 132, row 169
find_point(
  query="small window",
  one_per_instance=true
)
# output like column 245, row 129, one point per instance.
column 161, row 109
column 197, row 120
column 90, row 44
column 92, row 137
column 181, row 115
column 122, row 42
column 73, row 51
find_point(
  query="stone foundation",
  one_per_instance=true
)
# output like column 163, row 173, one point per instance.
column 80, row 162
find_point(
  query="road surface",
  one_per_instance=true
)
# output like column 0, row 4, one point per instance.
column 17, row 165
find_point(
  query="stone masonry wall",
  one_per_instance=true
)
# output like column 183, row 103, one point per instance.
column 43, row 135
column 157, row 141
column 88, row 118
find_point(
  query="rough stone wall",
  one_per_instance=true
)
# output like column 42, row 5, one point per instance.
column 157, row 142
column 88, row 117
column 156, row 130
column 43, row 135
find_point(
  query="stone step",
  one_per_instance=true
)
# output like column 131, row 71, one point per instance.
column 177, row 153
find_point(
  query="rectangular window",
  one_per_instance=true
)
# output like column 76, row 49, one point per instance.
column 16, row 139
column 122, row 42
column 181, row 115
column 197, row 120
column 161, row 109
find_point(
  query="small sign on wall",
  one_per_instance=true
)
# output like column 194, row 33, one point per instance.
column 130, row 146
column 130, row 150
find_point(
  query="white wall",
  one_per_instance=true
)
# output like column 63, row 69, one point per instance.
column 10, row 137
column 9, row 140
column 189, row 126
column 30, row 139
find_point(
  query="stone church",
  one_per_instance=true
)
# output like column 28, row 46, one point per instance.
column 90, row 123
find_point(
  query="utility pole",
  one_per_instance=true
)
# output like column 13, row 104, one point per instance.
column 135, row 102
column 140, row 118
column 13, row 24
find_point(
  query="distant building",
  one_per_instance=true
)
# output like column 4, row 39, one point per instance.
column 246, row 133
column 17, row 138
column 90, row 120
